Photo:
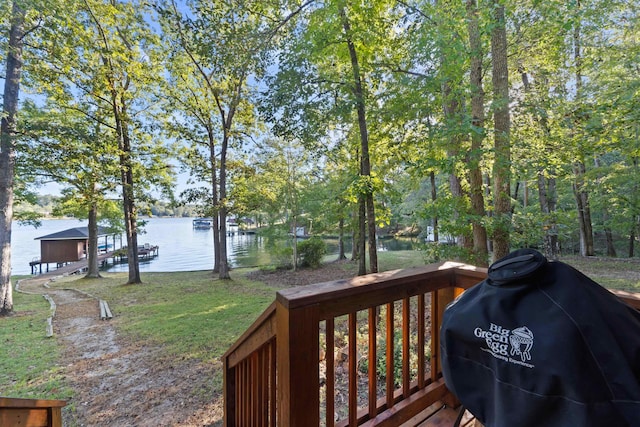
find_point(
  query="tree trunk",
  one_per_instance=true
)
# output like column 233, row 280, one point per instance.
column 355, row 237
column 129, row 205
column 632, row 237
column 634, row 218
column 451, row 108
column 477, row 136
column 224, row 264
column 432, row 179
column 214, row 199
column 362, row 236
column 502, row 149
column 579, row 169
column 584, row 211
column 341, row 254
column 294, row 242
column 92, row 250
column 546, row 186
column 611, row 249
column 365, row 165
column 7, row 152
column 355, row 240
column 546, row 194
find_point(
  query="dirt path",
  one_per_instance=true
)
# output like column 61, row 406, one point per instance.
column 119, row 383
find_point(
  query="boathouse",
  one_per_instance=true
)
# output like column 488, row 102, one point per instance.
column 70, row 245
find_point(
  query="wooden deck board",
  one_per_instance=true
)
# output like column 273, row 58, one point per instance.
column 439, row 415
column 425, row 414
column 445, row 417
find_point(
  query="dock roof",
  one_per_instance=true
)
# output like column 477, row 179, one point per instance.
column 76, row 233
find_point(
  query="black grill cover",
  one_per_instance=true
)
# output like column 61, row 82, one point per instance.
column 540, row 344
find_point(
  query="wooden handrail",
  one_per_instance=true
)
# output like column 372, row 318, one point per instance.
column 272, row 373
column 31, row 412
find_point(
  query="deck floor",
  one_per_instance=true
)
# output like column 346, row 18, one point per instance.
column 439, row 415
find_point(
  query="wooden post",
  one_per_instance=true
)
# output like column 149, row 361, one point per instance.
column 31, row 412
column 297, row 352
column 439, row 301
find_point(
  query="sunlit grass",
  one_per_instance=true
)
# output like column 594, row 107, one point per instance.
column 190, row 314
column 30, row 363
column 612, row 273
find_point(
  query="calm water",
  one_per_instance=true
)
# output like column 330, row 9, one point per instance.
column 181, row 247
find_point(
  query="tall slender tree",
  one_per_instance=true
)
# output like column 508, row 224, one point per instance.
column 502, row 147
column 223, row 49
column 365, row 162
column 8, row 150
column 579, row 166
column 477, row 134
column 101, row 62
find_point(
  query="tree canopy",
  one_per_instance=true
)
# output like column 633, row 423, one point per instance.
column 502, row 124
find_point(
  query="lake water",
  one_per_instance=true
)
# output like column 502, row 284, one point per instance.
column 181, row 247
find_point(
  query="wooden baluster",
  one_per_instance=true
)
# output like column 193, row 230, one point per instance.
column 262, row 382
column 421, row 341
column 246, row 409
column 353, row 375
column 230, row 382
column 435, row 342
column 331, row 372
column 240, row 398
column 373, row 359
column 253, row 384
column 390, row 370
column 272, row 384
column 406, row 336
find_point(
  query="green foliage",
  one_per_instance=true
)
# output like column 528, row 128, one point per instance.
column 438, row 252
column 282, row 256
column 311, row 251
column 381, row 360
column 199, row 83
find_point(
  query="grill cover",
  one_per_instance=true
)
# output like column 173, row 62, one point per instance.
column 540, row 344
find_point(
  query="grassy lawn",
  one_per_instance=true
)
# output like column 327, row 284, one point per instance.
column 190, row 315
column 30, row 364
column 618, row 273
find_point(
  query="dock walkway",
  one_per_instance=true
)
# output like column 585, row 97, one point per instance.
column 71, row 268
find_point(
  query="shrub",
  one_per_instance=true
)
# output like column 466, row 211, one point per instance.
column 282, row 256
column 311, row 251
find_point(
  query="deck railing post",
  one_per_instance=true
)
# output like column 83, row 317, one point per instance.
column 439, row 301
column 297, row 352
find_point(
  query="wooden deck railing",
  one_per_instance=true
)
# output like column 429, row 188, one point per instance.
column 387, row 321
column 306, row 360
column 31, row 412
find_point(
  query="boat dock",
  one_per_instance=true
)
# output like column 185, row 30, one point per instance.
column 68, row 268
column 145, row 251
